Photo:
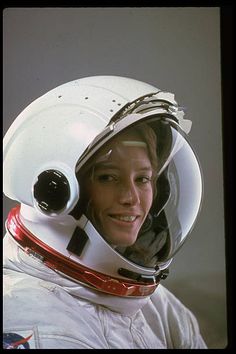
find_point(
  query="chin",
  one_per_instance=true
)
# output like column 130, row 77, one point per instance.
column 122, row 240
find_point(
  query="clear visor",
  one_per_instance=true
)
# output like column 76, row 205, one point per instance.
column 142, row 191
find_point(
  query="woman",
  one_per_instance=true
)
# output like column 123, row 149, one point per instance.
column 102, row 212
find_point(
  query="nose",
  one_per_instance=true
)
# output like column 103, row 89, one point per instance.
column 128, row 193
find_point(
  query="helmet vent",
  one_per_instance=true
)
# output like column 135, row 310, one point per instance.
column 51, row 191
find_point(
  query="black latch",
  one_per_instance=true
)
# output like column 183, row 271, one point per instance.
column 136, row 276
column 143, row 277
column 77, row 241
column 164, row 274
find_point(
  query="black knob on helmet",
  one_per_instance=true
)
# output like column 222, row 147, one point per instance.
column 52, row 191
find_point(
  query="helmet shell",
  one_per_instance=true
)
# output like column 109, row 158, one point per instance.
column 55, row 129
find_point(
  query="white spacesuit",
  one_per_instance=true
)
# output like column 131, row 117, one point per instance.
column 109, row 189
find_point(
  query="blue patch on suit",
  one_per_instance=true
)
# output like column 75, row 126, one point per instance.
column 15, row 341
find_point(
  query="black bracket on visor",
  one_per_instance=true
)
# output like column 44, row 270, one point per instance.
column 143, row 277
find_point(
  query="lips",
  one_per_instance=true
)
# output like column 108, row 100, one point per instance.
column 125, row 218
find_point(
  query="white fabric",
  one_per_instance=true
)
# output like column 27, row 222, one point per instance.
column 60, row 314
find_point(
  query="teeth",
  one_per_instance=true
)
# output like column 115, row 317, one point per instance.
column 125, row 218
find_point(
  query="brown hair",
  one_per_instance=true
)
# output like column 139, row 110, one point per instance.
column 150, row 138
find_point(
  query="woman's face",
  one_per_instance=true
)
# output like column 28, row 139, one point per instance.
column 120, row 189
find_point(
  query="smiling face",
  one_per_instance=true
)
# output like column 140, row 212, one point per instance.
column 120, row 189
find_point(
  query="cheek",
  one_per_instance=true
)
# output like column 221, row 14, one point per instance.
column 147, row 200
column 100, row 198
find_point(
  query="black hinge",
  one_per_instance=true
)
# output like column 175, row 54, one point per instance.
column 77, row 241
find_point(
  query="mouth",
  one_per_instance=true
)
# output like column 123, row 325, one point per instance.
column 125, row 218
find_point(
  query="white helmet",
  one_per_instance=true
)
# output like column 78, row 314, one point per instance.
column 46, row 151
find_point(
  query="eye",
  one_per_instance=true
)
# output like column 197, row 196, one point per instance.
column 144, row 179
column 106, row 178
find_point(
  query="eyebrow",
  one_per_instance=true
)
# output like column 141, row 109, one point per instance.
column 112, row 166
